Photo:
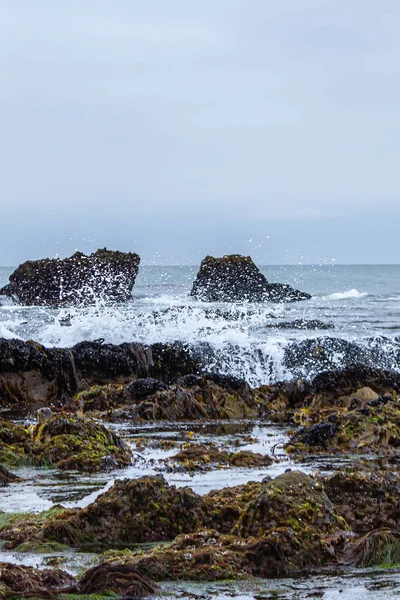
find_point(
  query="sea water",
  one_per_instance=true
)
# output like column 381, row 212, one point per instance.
column 359, row 303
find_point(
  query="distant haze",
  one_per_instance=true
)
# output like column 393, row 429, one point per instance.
column 180, row 128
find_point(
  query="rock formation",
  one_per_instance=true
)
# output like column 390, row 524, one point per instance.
column 236, row 278
column 79, row 279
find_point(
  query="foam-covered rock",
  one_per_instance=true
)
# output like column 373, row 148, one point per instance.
column 78, row 279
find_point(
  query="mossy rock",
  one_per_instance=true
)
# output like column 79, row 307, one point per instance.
column 363, row 423
column 65, row 441
column 297, row 505
column 132, row 511
column 19, row 530
column 201, row 456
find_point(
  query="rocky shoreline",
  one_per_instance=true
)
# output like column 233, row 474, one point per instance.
column 294, row 523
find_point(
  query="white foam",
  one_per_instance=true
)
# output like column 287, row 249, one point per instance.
column 347, row 294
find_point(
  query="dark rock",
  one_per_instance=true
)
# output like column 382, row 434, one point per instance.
column 300, row 324
column 236, row 278
column 31, row 374
column 344, row 382
column 79, row 279
column 189, row 381
column 308, row 358
column 6, row 477
column 317, row 435
column 141, row 388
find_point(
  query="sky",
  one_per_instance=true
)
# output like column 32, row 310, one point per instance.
column 180, row 128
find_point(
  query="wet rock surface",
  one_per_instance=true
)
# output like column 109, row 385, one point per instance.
column 201, row 456
column 18, row 581
column 31, row 374
column 302, row 324
column 193, row 397
column 236, row 278
column 79, row 279
column 63, row 440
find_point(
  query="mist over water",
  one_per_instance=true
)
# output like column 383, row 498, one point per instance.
column 354, row 316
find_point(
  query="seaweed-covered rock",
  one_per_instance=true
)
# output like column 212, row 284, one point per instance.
column 366, row 500
column 294, row 503
column 24, row 531
column 201, row 456
column 75, row 442
column 21, row 581
column 115, row 578
column 147, row 509
column 379, row 547
column 222, row 508
column 236, row 278
column 79, row 279
column 206, row 397
column 65, row 441
column 203, row 556
column 363, row 423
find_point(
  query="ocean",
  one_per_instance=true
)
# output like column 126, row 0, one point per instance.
column 261, row 342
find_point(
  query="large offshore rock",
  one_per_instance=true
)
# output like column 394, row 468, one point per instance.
column 236, row 278
column 79, row 279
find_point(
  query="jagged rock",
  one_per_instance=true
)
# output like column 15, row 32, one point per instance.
column 236, row 278
column 31, row 374
column 79, row 279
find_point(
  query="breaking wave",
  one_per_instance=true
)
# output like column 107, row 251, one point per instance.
column 347, row 294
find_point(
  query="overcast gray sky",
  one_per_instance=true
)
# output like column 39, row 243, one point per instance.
column 177, row 128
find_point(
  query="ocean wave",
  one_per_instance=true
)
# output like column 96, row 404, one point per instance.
column 353, row 293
